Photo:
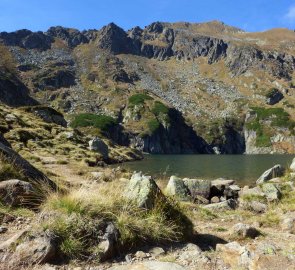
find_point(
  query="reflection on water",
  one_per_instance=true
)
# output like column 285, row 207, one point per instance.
column 244, row 168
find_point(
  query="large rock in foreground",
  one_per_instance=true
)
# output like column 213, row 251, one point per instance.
column 275, row 171
column 143, row 190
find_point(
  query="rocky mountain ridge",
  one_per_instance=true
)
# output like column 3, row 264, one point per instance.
column 209, row 72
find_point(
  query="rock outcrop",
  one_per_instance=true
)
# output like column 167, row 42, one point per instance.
column 25, row 167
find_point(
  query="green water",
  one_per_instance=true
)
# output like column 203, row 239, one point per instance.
column 243, row 168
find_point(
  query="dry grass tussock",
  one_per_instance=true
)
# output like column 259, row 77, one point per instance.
column 77, row 216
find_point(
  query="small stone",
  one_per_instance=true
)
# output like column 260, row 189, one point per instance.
column 141, row 255
column 201, row 200
column 288, row 225
column 3, row 229
column 245, row 231
column 156, row 251
column 215, row 199
column 128, row 258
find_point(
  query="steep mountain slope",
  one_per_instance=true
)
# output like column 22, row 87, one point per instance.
column 170, row 87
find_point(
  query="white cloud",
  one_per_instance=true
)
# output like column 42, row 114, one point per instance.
column 291, row 13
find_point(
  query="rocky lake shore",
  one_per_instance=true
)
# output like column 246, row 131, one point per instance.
column 114, row 219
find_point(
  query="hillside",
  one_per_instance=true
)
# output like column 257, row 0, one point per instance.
column 168, row 88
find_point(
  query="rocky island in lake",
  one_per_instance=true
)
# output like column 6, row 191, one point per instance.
column 76, row 107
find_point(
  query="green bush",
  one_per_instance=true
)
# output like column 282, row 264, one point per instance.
column 103, row 122
column 138, row 99
column 159, row 108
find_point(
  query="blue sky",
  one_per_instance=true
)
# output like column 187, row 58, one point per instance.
column 250, row 15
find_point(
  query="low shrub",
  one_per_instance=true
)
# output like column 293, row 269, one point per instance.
column 138, row 99
column 159, row 108
column 102, row 122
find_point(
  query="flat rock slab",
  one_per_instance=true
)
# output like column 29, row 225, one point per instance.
column 222, row 182
column 222, row 206
column 152, row 265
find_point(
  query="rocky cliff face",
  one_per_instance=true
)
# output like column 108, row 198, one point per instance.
column 207, row 72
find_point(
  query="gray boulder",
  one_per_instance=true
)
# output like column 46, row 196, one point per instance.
column 275, row 171
column 177, row 188
column 98, row 145
column 198, row 187
column 143, row 190
column 272, row 192
column 288, row 224
column 15, row 192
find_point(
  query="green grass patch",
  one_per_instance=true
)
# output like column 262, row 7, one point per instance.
column 254, row 197
column 153, row 125
column 102, row 122
column 277, row 117
column 8, row 171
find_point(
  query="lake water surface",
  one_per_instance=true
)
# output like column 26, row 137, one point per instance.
column 243, row 168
